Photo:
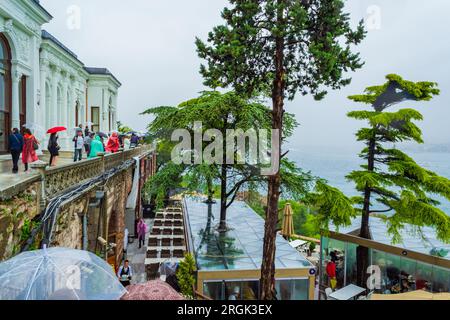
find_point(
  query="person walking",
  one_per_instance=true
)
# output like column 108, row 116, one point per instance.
column 96, row 147
column 78, row 141
column 142, row 231
column 113, row 143
column 125, row 274
column 53, row 149
column 30, row 145
column 15, row 148
column 87, row 143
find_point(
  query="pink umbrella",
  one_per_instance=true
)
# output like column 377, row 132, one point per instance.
column 152, row 290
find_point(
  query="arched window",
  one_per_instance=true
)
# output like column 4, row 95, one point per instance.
column 5, row 92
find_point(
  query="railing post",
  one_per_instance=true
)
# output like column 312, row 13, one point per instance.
column 42, row 195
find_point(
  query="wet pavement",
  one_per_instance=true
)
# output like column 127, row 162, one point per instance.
column 137, row 256
column 7, row 178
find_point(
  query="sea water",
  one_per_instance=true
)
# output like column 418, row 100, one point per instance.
column 333, row 164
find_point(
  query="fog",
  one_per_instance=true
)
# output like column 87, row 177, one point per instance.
column 149, row 46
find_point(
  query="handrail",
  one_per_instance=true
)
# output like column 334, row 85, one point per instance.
column 56, row 180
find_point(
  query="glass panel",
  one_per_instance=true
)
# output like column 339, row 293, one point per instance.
column 407, row 274
column 333, row 263
column 378, row 258
column 214, row 290
column 441, row 280
column 424, row 276
column 393, row 273
column 351, row 266
column 294, row 289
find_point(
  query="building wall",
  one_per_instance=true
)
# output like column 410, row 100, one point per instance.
column 57, row 82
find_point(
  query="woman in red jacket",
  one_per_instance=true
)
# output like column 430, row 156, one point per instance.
column 30, row 146
column 113, row 143
column 331, row 273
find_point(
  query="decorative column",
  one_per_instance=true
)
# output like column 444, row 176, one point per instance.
column 15, row 119
column 65, row 112
column 73, row 101
column 43, row 117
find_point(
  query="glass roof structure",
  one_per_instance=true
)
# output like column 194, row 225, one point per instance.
column 241, row 247
column 411, row 240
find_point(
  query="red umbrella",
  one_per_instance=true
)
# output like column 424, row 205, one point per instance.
column 56, row 130
column 152, row 290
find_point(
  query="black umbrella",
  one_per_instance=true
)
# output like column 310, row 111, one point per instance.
column 102, row 135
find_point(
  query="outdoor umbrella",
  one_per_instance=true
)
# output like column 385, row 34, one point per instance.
column 56, row 129
column 58, row 274
column 102, row 135
column 152, row 290
column 288, row 224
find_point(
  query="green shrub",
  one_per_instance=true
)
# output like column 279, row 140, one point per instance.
column 186, row 276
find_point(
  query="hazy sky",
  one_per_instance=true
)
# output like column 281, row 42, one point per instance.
column 149, row 46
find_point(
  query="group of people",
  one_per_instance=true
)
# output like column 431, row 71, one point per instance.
column 84, row 141
column 25, row 145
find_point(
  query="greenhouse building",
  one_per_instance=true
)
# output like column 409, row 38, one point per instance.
column 229, row 263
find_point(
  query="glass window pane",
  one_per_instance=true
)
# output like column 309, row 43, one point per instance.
column 441, row 280
column 379, row 259
column 407, row 274
column 393, row 273
column 351, row 266
column 241, row 290
column 424, row 276
column 294, row 289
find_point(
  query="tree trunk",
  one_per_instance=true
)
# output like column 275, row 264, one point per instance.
column 362, row 253
column 223, row 199
column 268, row 264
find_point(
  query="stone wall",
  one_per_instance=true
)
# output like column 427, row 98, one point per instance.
column 68, row 232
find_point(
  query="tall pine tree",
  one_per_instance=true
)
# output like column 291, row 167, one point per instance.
column 391, row 183
column 280, row 48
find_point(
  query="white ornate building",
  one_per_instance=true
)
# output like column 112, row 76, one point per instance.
column 43, row 84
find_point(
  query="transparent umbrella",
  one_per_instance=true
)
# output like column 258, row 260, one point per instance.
column 58, row 274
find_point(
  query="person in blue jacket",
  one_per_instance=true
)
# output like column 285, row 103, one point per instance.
column 15, row 148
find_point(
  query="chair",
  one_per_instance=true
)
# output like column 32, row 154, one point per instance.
column 152, row 242
column 178, row 253
column 165, row 254
column 178, row 231
column 168, row 223
column 166, row 242
column 178, row 242
column 152, row 271
column 156, row 232
column 158, row 223
column 152, row 254
column 178, row 223
column 167, row 232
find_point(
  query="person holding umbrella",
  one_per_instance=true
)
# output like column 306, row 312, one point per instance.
column 53, row 149
column 53, row 146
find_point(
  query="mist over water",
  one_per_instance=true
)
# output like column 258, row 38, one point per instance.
column 334, row 163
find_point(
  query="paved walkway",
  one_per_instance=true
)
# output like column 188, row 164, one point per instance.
column 137, row 256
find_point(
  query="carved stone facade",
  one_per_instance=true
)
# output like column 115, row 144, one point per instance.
column 46, row 84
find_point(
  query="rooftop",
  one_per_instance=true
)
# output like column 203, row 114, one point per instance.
column 93, row 71
column 238, row 249
column 410, row 239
